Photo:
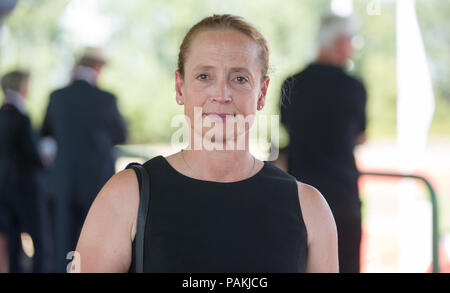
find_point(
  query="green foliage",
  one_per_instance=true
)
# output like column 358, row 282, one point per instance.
column 156, row 30
column 377, row 67
column 34, row 41
column 144, row 45
column 435, row 27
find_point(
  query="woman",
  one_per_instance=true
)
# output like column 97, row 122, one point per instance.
column 214, row 209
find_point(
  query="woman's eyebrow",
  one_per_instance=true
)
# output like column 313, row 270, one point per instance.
column 240, row 69
column 203, row 67
column 208, row 67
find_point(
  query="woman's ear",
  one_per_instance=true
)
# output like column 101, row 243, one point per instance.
column 263, row 93
column 178, row 88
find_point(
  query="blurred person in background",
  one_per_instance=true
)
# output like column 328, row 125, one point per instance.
column 20, row 200
column 323, row 110
column 85, row 123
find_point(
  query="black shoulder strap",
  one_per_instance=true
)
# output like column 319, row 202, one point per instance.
column 144, row 197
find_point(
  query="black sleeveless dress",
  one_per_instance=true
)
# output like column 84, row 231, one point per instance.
column 250, row 226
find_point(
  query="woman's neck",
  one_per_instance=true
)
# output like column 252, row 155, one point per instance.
column 217, row 165
column 221, row 163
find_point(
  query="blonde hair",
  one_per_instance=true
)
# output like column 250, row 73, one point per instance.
column 225, row 21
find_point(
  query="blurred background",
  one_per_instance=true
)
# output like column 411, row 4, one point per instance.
column 141, row 40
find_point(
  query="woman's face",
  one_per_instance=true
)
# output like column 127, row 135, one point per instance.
column 222, row 81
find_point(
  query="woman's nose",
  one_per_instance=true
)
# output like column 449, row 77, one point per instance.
column 222, row 92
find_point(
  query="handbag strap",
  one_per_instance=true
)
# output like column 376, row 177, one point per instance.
column 144, row 197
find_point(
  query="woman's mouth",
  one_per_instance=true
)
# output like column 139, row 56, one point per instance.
column 216, row 116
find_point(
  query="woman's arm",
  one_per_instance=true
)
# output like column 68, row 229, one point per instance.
column 105, row 242
column 321, row 229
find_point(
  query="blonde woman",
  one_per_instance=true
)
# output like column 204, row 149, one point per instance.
column 213, row 209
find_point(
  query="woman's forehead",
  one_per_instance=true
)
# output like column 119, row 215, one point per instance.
column 225, row 47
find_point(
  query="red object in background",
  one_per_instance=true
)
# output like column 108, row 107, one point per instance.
column 444, row 262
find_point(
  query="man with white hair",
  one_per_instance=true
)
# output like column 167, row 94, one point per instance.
column 324, row 113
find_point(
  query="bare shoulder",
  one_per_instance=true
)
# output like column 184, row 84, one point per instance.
column 121, row 196
column 123, row 186
column 121, row 192
column 315, row 210
column 321, row 231
column 311, row 195
column 105, row 241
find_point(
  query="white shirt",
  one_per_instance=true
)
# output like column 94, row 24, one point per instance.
column 16, row 99
column 85, row 73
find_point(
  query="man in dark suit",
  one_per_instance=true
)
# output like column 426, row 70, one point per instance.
column 19, row 163
column 86, row 124
column 324, row 113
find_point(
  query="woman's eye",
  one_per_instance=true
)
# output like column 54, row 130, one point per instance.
column 241, row 79
column 202, row 76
